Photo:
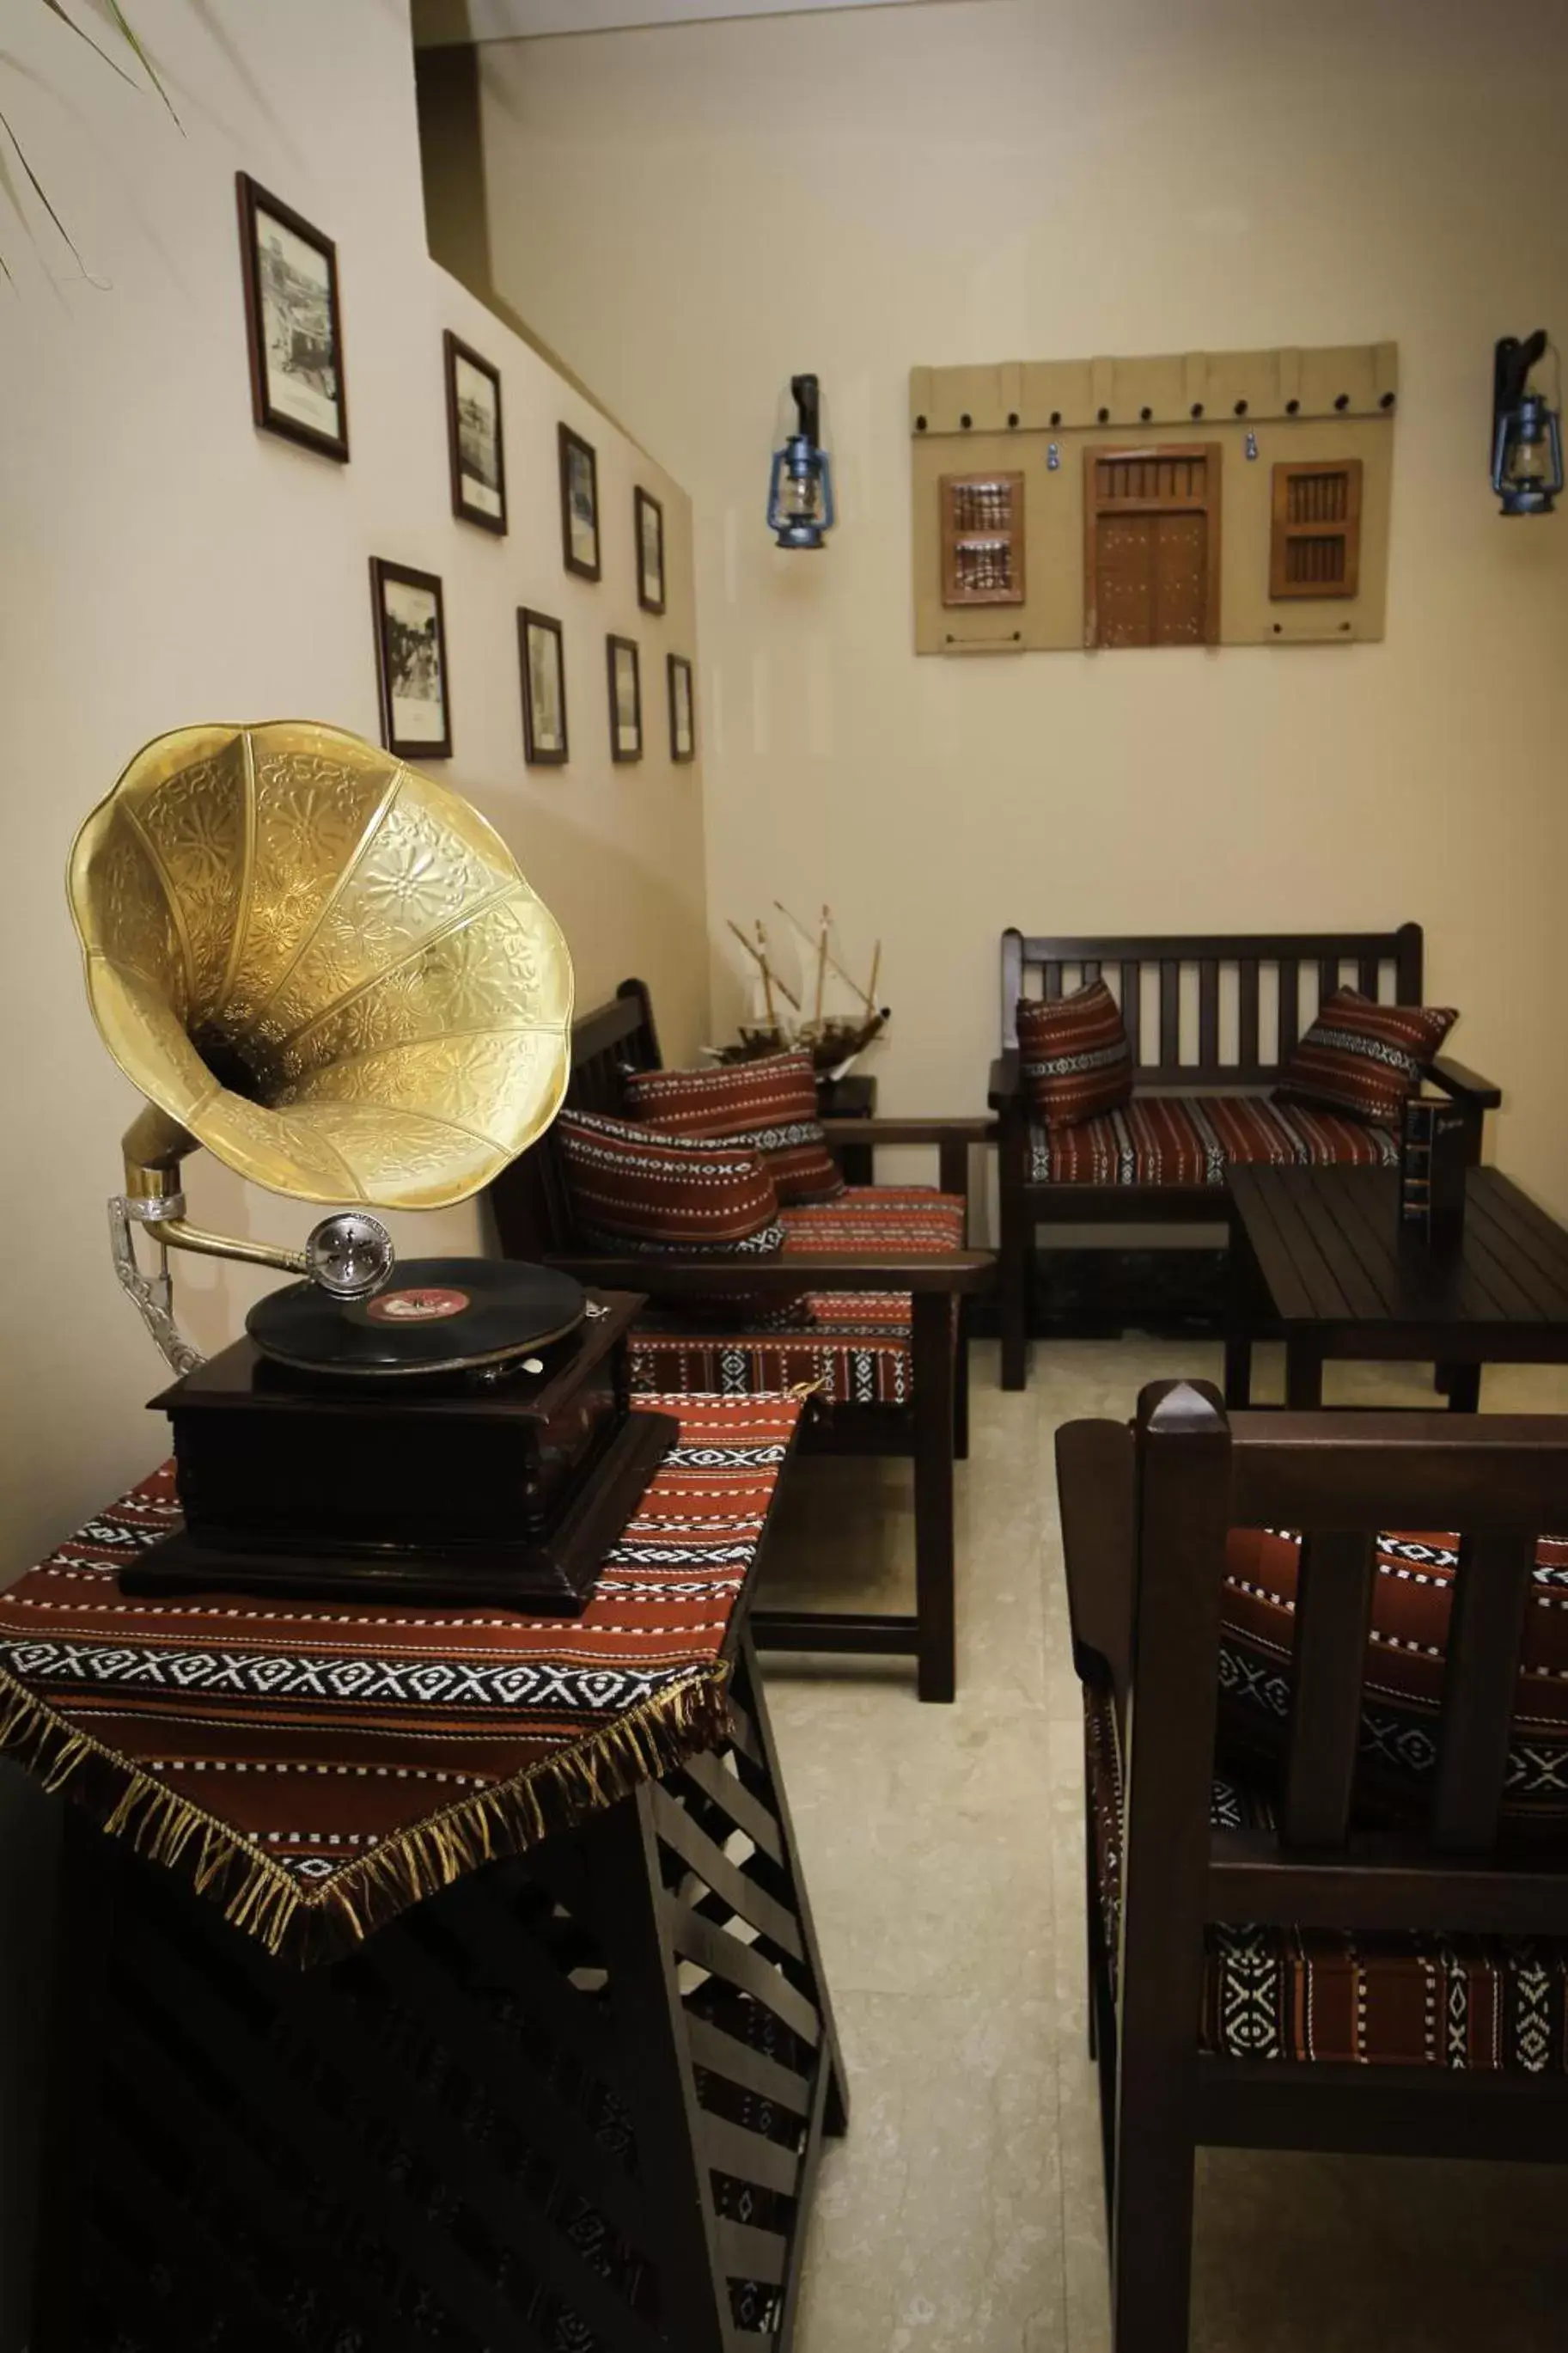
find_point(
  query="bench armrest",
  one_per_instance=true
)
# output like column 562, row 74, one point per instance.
column 977, row 1129
column 1006, row 1088
column 957, row 1271
column 1465, row 1086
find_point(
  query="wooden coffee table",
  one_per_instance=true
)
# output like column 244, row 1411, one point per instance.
column 1320, row 1251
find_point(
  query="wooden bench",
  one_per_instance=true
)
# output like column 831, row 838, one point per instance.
column 1221, row 1899
column 928, row 1423
column 1216, row 1015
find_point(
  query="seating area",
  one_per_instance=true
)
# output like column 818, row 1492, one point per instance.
column 786, row 1513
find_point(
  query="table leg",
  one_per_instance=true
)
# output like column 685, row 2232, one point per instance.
column 1241, row 1280
column 1303, row 1375
column 1463, row 1384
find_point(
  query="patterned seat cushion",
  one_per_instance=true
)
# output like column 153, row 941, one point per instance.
column 769, row 1104
column 1193, row 1140
column 1487, row 2004
column 1402, row 1691
column 855, row 1345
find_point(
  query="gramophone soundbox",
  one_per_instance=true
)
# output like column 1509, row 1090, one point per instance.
column 459, row 1470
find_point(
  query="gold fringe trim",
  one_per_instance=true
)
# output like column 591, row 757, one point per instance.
column 305, row 1923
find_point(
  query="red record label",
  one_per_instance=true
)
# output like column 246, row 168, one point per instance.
column 415, row 1306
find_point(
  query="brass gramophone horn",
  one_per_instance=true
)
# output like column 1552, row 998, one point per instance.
column 327, row 969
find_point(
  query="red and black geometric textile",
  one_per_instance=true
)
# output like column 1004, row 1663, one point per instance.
column 769, row 1104
column 316, row 1767
column 1074, row 1054
column 664, row 1194
column 1362, row 1058
column 852, row 1346
column 1485, row 2004
column 1193, row 1139
column 1406, row 1658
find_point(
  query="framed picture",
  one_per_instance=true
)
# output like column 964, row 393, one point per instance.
column 682, row 718
column 474, row 436
column 293, row 324
column 542, row 657
column 626, row 699
column 579, row 504
column 648, row 520
column 411, row 661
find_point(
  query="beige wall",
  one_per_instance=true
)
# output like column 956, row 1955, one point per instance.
column 161, row 562
column 690, row 214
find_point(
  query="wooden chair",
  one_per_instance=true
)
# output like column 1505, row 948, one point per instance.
column 1145, row 1517
column 915, row 1371
column 1224, row 1013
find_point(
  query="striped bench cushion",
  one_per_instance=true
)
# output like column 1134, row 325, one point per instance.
column 856, row 1344
column 1193, row 1140
column 1487, row 2005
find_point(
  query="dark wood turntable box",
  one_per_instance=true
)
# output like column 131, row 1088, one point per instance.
column 469, row 1488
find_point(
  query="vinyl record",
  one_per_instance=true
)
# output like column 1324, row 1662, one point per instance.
column 435, row 1315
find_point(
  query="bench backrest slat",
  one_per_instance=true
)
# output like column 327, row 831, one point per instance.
column 1229, row 1006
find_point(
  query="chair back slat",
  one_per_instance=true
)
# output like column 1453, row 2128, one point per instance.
column 1341, row 1479
column 1290, row 1019
column 1209, row 1011
column 1333, row 1611
column 1170, row 1013
column 1132, row 1005
column 1216, row 994
column 1485, row 1633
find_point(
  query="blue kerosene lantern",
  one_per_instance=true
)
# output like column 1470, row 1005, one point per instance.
column 800, row 490
column 1527, row 439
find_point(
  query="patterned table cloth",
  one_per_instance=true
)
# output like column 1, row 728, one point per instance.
column 318, row 1767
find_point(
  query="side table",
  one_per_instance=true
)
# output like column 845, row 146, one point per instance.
column 1320, row 1251
column 429, row 1981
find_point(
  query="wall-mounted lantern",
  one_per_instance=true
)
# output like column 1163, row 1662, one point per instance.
column 1527, row 437
column 800, row 491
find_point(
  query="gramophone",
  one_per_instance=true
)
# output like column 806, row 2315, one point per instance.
column 328, row 970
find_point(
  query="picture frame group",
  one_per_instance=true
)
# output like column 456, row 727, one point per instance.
column 294, row 339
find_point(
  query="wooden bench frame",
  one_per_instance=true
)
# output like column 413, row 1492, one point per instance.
column 533, row 1219
column 1026, row 1203
column 1145, row 1517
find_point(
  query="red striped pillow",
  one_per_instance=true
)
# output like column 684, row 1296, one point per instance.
column 664, row 1194
column 769, row 1104
column 1076, row 1058
column 1362, row 1058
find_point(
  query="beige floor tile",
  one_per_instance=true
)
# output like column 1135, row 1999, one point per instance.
column 936, row 2225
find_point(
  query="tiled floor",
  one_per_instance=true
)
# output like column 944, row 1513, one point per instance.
column 944, row 1848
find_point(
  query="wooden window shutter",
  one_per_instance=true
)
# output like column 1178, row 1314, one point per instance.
column 1315, row 547
column 982, row 539
column 1152, row 547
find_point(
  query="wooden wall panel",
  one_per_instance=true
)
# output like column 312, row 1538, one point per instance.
column 1289, row 402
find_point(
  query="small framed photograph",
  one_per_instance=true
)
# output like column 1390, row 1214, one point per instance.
column 626, row 699
column 474, row 436
column 579, row 504
column 543, row 658
column 411, row 661
column 293, row 324
column 682, row 718
column 648, row 520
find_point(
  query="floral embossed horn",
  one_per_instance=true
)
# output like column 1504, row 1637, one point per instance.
column 327, row 969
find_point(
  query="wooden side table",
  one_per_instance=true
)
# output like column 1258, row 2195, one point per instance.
column 1320, row 1251
column 576, row 2101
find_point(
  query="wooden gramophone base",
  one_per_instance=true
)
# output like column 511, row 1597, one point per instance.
column 472, row 1495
